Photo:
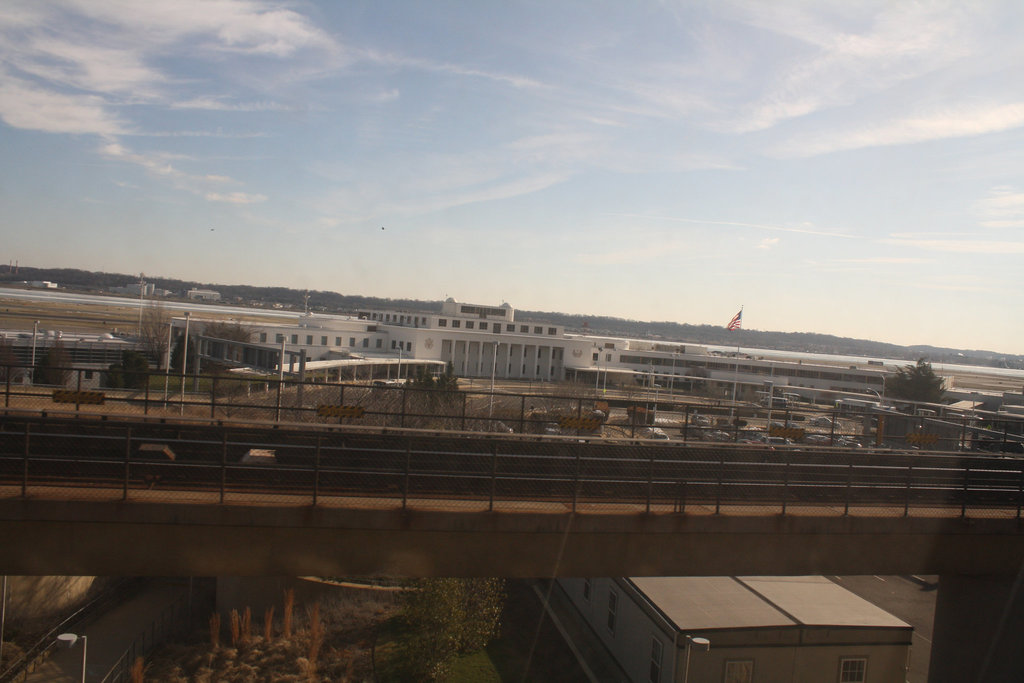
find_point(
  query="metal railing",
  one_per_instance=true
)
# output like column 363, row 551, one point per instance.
column 336, row 466
column 558, row 409
column 172, row 621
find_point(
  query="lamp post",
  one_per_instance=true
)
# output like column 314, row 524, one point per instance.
column 32, row 367
column 70, row 639
column 184, row 361
column 167, row 361
column 690, row 642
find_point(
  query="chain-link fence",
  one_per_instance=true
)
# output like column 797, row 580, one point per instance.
column 557, row 410
column 190, row 462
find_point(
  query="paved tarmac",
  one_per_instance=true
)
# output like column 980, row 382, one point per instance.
column 109, row 635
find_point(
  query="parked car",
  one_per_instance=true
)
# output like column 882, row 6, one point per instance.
column 653, row 433
column 718, row 435
column 818, row 439
column 700, row 420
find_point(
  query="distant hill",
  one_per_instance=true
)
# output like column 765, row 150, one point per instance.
column 334, row 302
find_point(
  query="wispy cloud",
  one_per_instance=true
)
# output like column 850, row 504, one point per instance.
column 235, row 197
column 1002, row 208
column 979, row 246
column 803, row 230
column 32, row 107
column 950, row 123
column 768, row 243
column 887, row 260
column 220, row 104
column 834, row 64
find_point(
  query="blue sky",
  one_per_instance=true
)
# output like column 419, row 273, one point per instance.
column 854, row 168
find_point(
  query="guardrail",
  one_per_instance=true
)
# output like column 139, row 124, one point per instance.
column 210, row 464
column 567, row 409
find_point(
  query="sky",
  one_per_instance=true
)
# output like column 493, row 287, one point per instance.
column 849, row 168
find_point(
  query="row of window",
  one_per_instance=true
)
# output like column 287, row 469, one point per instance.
column 496, row 327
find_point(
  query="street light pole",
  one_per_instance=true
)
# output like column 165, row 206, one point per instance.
column 184, row 361
column 70, row 639
column 32, row 367
column 699, row 642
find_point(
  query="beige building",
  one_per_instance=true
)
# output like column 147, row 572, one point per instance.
column 793, row 629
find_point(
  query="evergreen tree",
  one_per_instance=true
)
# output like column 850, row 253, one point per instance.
column 916, row 383
column 54, row 366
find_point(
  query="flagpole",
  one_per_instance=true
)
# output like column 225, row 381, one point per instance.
column 736, row 368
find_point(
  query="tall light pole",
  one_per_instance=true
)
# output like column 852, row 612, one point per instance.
column 691, row 641
column 32, row 366
column 70, row 639
column 494, row 367
column 167, row 360
column 142, row 290
column 184, row 361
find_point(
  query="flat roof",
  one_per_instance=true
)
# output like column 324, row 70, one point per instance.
column 720, row 602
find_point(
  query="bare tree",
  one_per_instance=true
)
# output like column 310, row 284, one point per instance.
column 155, row 321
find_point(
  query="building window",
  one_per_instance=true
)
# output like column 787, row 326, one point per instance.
column 552, row 330
column 393, row 343
column 538, row 330
column 483, row 326
column 853, row 670
column 263, row 337
column 740, row 671
column 279, row 338
column 613, row 604
column 337, row 341
column 469, row 324
column 295, row 339
column 510, row 328
column 380, row 343
column 586, row 589
column 351, row 341
column 656, row 650
column 309, row 340
column 88, row 374
column 456, row 323
column 442, row 322
column 525, row 329
column 595, row 355
column 366, row 342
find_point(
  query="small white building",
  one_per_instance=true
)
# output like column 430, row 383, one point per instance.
column 203, row 295
column 802, row 629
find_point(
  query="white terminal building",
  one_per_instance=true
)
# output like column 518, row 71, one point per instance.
column 485, row 340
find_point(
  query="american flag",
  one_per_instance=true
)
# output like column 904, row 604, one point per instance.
column 736, row 322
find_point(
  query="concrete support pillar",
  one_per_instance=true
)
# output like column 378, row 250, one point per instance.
column 979, row 630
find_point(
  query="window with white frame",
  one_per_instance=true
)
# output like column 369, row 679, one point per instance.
column 613, row 606
column 853, row 670
column 656, row 650
column 739, row 671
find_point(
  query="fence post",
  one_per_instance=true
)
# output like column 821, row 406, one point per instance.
column 7, row 392
column 785, row 483
column 405, row 394
column 576, row 481
column 223, row 465
column 277, row 412
column 213, row 398
column 316, row 470
column 127, row 462
column 1020, row 492
column 522, row 413
column 405, row 481
column 145, row 398
column 78, row 391
column 906, row 501
column 463, row 427
column 963, row 502
column 718, row 489
column 650, row 482
column 494, row 474
column 849, row 487
column 24, row 473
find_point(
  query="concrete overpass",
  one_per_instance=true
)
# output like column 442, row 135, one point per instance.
column 83, row 497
